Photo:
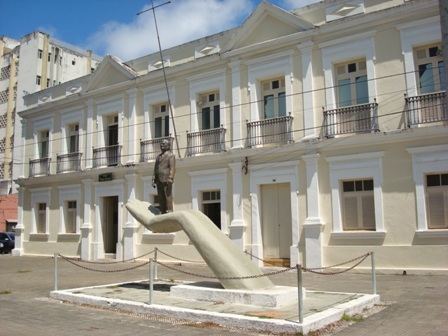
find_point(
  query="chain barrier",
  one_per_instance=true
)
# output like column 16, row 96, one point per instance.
column 191, row 261
column 226, row 278
column 264, row 261
column 316, row 270
column 76, row 261
column 73, row 262
column 107, row 262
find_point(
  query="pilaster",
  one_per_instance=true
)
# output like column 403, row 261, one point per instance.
column 237, row 130
column 86, row 227
column 130, row 228
column 237, row 226
column 313, row 225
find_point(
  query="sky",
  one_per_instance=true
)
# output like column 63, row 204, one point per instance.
column 114, row 26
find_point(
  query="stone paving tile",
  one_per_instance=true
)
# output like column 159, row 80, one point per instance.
column 417, row 303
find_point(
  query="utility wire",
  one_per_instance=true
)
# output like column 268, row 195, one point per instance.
column 244, row 104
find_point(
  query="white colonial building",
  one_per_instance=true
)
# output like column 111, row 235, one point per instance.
column 311, row 136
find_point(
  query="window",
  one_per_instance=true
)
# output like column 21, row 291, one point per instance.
column 73, row 138
column 44, row 143
column 112, row 130
column 41, row 220
column 211, row 206
column 274, row 98
column 73, row 62
column 48, row 82
column 209, row 104
column 70, row 217
column 39, row 53
column 49, row 57
column 358, row 206
column 38, row 80
column 430, row 69
column 207, row 186
column 356, row 195
column 351, row 79
column 437, row 200
column 161, row 121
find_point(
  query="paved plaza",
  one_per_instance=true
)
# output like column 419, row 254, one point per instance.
column 415, row 304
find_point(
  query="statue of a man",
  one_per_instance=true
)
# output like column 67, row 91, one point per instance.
column 163, row 178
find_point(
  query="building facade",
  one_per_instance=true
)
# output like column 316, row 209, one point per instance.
column 311, row 136
column 36, row 62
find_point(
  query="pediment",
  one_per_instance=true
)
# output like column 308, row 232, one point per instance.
column 111, row 71
column 267, row 22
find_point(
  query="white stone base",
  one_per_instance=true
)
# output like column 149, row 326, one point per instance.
column 214, row 292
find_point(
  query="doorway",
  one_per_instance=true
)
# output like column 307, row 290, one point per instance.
column 276, row 226
column 211, row 206
column 110, row 224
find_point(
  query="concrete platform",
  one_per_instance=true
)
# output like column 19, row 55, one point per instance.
column 211, row 291
column 320, row 308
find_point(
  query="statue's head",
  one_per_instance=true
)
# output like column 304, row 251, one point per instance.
column 165, row 145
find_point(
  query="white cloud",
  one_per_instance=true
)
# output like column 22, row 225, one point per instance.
column 178, row 22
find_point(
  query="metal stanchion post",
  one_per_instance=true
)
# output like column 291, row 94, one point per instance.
column 151, row 276
column 155, row 266
column 299, row 287
column 55, row 271
column 372, row 256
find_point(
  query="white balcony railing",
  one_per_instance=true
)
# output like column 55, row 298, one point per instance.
column 351, row 119
column 40, row 167
column 106, row 156
column 68, row 162
column 427, row 108
column 270, row 131
column 206, row 141
column 150, row 149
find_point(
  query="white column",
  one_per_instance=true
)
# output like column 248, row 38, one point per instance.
column 237, row 226
column 257, row 243
column 86, row 227
column 307, row 88
column 131, row 226
column 20, row 228
column 19, row 151
column 313, row 224
column 237, row 125
column 194, row 125
column 89, row 135
column 132, row 127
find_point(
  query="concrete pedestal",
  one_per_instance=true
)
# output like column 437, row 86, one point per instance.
column 214, row 292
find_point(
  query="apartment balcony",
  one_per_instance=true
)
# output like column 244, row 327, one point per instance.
column 361, row 118
column 107, row 156
column 270, row 131
column 427, row 108
column 40, row 167
column 206, row 141
column 68, row 163
column 150, row 149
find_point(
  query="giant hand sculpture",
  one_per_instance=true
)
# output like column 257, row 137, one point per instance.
column 218, row 251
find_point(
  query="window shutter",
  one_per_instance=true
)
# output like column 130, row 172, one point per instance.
column 437, row 213
column 351, row 213
column 368, row 212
